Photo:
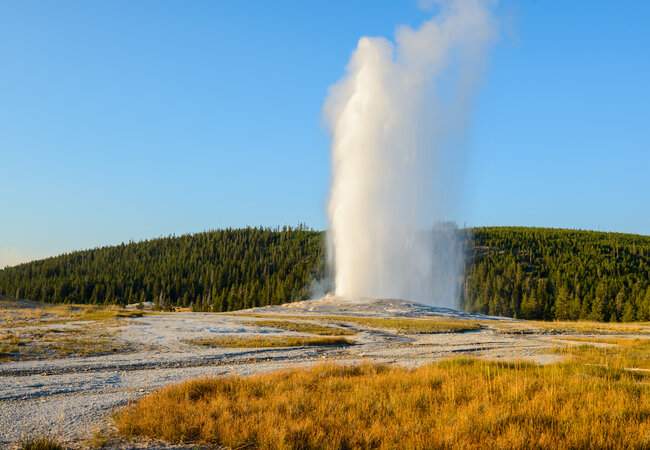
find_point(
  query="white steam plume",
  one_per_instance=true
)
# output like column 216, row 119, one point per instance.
column 397, row 120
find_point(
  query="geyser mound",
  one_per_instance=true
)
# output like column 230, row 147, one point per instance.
column 397, row 119
column 366, row 307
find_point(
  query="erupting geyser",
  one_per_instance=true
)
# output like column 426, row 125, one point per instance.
column 396, row 120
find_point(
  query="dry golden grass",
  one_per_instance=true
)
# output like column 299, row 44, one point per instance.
column 581, row 327
column 302, row 327
column 9, row 347
column 100, row 438
column 268, row 341
column 405, row 325
column 29, row 343
column 411, row 326
column 41, row 443
column 14, row 314
column 620, row 354
column 602, row 340
column 447, row 325
column 458, row 403
column 31, row 330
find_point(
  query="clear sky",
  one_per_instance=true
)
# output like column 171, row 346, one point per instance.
column 127, row 120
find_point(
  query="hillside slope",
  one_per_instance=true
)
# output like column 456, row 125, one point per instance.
column 538, row 273
column 217, row 270
column 530, row 273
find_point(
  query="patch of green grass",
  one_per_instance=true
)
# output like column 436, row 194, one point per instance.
column 267, row 341
column 108, row 314
column 301, row 327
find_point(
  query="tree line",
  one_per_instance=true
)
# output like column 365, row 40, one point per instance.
column 530, row 273
column 220, row 270
column 536, row 273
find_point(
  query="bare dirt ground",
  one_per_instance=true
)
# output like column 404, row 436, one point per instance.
column 72, row 397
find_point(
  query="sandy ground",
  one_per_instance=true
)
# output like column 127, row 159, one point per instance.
column 73, row 397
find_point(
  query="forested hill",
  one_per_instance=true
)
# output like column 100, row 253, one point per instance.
column 523, row 272
column 217, row 270
column 537, row 273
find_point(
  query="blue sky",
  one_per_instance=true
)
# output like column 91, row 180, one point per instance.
column 128, row 120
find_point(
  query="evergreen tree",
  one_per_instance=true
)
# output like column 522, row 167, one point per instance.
column 629, row 314
column 563, row 305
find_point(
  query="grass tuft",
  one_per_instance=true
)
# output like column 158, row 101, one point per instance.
column 41, row 443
